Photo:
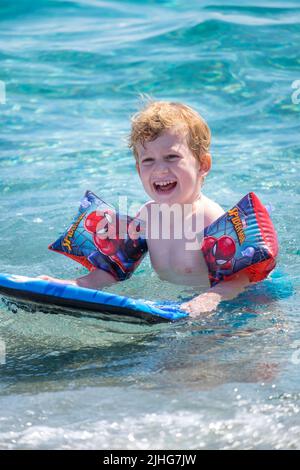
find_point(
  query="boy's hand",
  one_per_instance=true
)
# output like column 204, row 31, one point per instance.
column 94, row 280
column 54, row 279
column 46, row 278
column 201, row 304
column 209, row 301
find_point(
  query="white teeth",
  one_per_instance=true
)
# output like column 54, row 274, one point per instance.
column 164, row 183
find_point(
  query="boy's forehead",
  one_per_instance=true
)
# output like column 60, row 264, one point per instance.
column 168, row 140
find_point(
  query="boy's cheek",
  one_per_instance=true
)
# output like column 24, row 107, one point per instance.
column 143, row 176
column 144, row 180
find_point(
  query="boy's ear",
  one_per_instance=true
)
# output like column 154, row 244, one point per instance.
column 205, row 165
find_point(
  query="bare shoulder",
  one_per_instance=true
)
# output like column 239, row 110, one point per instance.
column 212, row 210
column 143, row 212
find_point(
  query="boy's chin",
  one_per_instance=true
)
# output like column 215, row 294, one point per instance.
column 171, row 199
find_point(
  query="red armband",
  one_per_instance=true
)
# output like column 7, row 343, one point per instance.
column 242, row 239
column 101, row 238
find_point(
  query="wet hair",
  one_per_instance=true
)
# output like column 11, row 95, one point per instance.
column 157, row 116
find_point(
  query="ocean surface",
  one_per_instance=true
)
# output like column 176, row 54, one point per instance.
column 71, row 73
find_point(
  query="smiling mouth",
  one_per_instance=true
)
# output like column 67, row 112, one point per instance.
column 165, row 187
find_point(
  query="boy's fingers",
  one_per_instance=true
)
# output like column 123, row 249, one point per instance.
column 186, row 307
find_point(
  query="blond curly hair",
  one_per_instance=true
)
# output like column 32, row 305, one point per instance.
column 157, row 116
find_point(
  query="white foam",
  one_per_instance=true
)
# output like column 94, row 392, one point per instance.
column 139, row 421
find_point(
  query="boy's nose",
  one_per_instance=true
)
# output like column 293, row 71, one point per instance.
column 160, row 169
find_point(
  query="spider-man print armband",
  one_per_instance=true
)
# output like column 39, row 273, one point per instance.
column 101, row 238
column 242, row 239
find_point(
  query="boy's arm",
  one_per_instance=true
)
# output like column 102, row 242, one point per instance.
column 226, row 290
column 94, row 280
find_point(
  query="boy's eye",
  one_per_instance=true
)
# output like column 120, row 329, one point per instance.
column 147, row 161
column 172, row 157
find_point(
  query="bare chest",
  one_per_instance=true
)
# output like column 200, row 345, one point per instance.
column 178, row 262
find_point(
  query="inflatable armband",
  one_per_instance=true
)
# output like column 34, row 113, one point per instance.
column 242, row 239
column 101, row 238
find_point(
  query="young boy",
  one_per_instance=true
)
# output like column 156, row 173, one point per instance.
column 170, row 142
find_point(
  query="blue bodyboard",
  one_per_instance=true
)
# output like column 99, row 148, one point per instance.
column 53, row 297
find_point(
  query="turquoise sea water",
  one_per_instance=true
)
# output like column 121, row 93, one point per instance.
column 72, row 71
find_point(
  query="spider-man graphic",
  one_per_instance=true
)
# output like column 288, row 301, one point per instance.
column 218, row 254
column 110, row 237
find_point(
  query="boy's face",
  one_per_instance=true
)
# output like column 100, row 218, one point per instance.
column 169, row 171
